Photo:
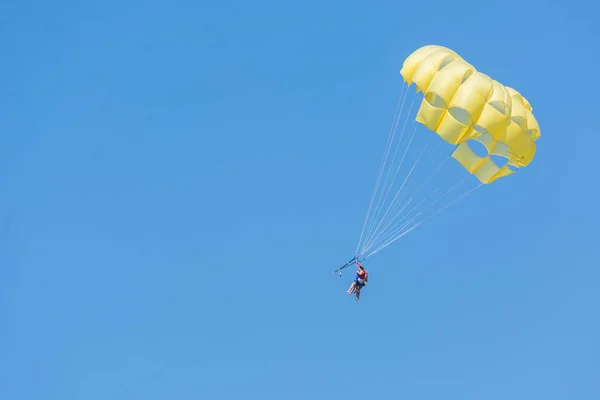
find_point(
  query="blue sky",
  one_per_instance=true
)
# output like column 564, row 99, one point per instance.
column 181, row 178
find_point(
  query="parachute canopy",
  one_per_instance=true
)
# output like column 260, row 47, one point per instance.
column 490, row 128
column 462, row 105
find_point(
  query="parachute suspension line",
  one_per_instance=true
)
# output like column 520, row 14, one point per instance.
column 395, row 225
column 392, row 212
column 391, row 135
column 413, row 195
column 415, row 226
column 391, row 185
column 459, row 198
column 397, row 228
column 379, row 204
column 385, row 190
column 403, row 232
column 450, row 190
column 402, row 98
column 394, row 203
column 394, row 222
column 428, row 179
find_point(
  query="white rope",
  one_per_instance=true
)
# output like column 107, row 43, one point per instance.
column 391, row 185
column 392, row 241
column 393, row 203
column 377, row 207
column 386, row 223
column 389, row 233
column 414, row 194
column 386, row 153
column 459, row 198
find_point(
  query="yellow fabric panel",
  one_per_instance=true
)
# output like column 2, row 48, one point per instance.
column 521, row 140
column 470, row 134
column 486, row 170
column 451, row 130
column 518, row 110
column 467, row 158
column 502, row 150
column 516, row 134
column 412, row 62
column 447, row 81
column 527, row 157
column 533, row 127
column 483, row 168
column 527, row 105
column 472, row 95
column 495, row 116
column 519, row 97
column 514, row 94
column 501, row 94
column 428, row 68
column 488, row 141
column 461, row 104
column 493, row 122
column 504, row 171
column 517, row 140
column 429, row 115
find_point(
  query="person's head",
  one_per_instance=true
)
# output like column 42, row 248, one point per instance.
column 360, row 267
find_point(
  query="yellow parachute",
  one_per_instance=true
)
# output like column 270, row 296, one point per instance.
column 461, row 104
column 467, row 109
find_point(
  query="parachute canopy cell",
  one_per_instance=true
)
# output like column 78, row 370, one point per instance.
column 461, row 105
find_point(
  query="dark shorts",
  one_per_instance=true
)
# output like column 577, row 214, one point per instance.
column 358, row 282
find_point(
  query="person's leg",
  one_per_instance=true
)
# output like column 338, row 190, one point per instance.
column 352, row 288
column 357, row 296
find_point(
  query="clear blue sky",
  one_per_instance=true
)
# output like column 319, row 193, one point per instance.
column 180, row 178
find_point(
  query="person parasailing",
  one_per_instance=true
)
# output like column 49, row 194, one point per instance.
column 362, row 277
